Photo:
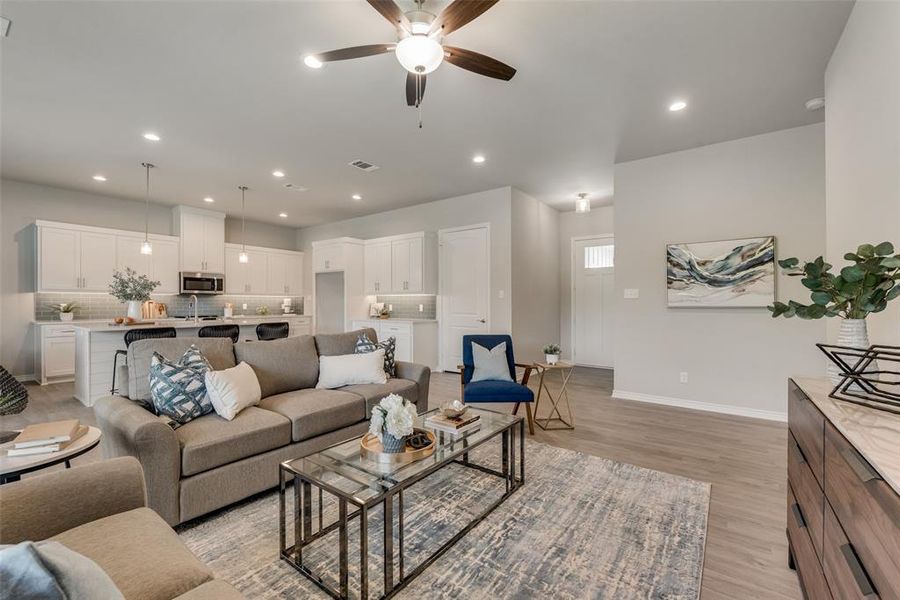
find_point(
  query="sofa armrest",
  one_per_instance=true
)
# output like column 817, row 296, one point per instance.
column 39, row 507
column 130, row 430
column 421, row 375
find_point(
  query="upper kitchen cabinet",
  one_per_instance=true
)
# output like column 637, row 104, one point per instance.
column 402, row 264
column 202, row 234
column 267, row 272
column 332, row 255
column 285, row 273
column 161, row 265
column 74, row 258
column 377, row 267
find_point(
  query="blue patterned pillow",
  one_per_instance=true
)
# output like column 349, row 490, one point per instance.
column 364, row 345
column 178, row 389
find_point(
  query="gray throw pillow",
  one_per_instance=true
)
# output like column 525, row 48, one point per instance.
column 490, row 365
column 178, row 388
column 50, row 571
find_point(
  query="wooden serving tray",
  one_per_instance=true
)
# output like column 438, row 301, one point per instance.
column 370, row 447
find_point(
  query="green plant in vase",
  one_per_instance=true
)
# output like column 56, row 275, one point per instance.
column 551, row 353
column 65, row 310
column 133, row 289
column 865, row 286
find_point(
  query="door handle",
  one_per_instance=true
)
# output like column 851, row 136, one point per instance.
column 798, row 515
column 799, row 451
column 858, row 571
column 482, row 321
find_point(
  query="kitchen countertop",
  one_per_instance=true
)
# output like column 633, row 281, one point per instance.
column 874, row 433
column 398, row 320
column 104, row 325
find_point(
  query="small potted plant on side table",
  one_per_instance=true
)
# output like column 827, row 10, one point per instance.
column 66, row 310
column 133, row 289
column 551, row 353
column 392, row 422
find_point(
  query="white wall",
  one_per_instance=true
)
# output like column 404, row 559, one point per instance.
column 23, row 203
column 492, row 207
column 738, row 360
column 862, row 153
column 572, row 225
column 535, row 276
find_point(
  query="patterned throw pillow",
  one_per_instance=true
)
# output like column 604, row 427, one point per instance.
column 364, row 345
column 178, row 388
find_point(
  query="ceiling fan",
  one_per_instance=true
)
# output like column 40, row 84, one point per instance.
column 420, row 48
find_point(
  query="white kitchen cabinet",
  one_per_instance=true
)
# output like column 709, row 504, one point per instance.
column 202, row 234
column 164, row 265
column 402, row 264
column 294, row 277
column 416, row 340
column 377, row 267
column 128, row 255
column 332, row 255
column 268, row 272
column 98, row 261
column 407, row 262
column 55, row 353
column 59, row 261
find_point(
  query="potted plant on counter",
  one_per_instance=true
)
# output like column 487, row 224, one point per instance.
column 551, row 353
column 66, row 310
column 860, row 289
column 133, row 289
column 392, row 422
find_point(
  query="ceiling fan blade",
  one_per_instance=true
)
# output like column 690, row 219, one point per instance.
column 411, row 99
column 390, row 11
column 478, row 63
column 459, row 13
column 354, row 52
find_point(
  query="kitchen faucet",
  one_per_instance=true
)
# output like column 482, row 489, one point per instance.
column 194, row 305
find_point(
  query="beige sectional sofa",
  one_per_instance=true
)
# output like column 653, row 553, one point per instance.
column 210, row 462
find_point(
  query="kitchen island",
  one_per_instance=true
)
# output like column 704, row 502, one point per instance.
column 96, row 344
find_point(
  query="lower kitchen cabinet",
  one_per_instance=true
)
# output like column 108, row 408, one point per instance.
column 55, row 353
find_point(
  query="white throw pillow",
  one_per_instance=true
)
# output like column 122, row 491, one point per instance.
column 490, row 365
column 349, row 369
column 232, row 390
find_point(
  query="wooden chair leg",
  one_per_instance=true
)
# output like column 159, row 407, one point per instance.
column 530, row 418
column 516, row 408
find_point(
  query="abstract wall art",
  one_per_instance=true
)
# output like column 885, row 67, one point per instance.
column 731, row 273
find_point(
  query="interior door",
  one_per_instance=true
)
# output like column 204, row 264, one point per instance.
column 465, row 290
column 59, row 259
column 98, row 260
column 593, row 296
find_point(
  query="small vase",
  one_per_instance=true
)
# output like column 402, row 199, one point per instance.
column 134, row 309
column 391, row 444
column 66, row 316
column 853, row 333
column 551, row 359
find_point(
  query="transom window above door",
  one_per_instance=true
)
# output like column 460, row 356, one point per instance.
column 599, row 257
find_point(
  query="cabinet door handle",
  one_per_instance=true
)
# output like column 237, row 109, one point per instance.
column 859, row 572
column 860, row 467
column 800, row 452
column 798, row 515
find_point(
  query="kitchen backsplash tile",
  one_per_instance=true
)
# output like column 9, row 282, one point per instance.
column 407, row 307
column 104, row 306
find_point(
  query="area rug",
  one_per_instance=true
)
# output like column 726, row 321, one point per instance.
column 581, row 527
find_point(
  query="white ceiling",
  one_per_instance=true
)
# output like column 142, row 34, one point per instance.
column 224, row 84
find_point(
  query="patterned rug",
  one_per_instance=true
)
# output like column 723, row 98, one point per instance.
column 581, row 527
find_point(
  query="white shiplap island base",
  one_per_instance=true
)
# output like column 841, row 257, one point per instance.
column 96, row 345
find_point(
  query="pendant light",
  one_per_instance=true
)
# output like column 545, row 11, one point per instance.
column 582, row 205
column 146, row 246
column 242, row 257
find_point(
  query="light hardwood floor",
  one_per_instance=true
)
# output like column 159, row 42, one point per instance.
column 744, row 460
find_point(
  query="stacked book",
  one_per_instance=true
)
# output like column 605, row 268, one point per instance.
column 454, row 425
column 46, row 438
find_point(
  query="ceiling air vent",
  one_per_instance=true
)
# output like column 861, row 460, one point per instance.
column 363, row 165
column 295, row 188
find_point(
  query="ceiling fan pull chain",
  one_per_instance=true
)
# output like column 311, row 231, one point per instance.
column 419, row 98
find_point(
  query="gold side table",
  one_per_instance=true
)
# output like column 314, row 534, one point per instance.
column 565, row 371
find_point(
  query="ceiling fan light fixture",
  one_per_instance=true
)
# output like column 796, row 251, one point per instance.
column 312, row 62
column 419, row 54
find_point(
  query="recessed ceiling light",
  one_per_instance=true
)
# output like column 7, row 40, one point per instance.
column 282, row 215
column 277, row 173
column 815, row 104
column 99, row 178
column 151, row 136
column 209, row 199
column 677, row 105
column 478, row 159
column 356, row 197
column 312, row 62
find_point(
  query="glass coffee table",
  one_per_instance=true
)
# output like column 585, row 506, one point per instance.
column 341, row 474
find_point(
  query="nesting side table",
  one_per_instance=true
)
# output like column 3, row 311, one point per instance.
column 560, row 420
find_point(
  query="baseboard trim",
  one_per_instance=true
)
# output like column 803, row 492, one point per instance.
column 754, row 413
column 26, row 378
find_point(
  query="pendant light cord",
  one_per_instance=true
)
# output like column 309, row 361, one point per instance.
column 147, row 166
column 243, row 189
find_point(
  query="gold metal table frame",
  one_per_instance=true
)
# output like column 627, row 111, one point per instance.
column 558, row 422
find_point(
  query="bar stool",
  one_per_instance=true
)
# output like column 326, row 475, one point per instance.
column 133, row 335
column 272, row 331
column 220, row 331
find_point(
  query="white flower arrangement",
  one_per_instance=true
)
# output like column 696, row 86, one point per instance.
column 393, row 414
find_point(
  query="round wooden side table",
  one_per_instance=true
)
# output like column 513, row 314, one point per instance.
column 561, row 421
column 13, row 467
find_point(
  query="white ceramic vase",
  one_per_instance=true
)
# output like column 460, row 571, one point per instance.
column 63, row 316
column 551, row 359
column 134, row 309
column 853, row 333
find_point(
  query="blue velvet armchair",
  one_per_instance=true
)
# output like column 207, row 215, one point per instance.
column 495, row 391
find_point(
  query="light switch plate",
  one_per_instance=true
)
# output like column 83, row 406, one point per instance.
column 632, row 293
column 501, row 294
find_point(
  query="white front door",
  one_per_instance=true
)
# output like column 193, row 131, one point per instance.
column 465, row 289
column 593, row 299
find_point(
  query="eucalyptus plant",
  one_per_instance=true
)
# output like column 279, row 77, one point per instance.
column 863, row 287
column 129, row 286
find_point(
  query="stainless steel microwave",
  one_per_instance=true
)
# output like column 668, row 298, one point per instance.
column 193, row 282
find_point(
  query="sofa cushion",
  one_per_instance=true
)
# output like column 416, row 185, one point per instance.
column 217, row 589
column 218, row 351
column 335, row 344
column 314, row 412
column 141, row 554
column 211, row 441
column 282, row 365
column 374, row 392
